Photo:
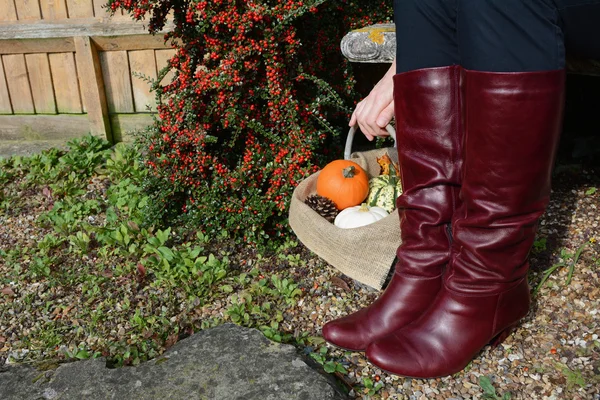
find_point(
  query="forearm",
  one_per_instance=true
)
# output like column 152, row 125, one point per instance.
column 389, row 75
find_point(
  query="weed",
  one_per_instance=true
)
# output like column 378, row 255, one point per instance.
column 574, row 378
column 50, row 241
column 286, row 288
column 295, row 260
column 126, row 197
column 272, row 332
column 569, row 261
column 371, row 388
column 124, row 163
column 134, row 285
column 79, row 242
column 41, row 266
column 539, row 245
column 489, row 391
column 330, row 366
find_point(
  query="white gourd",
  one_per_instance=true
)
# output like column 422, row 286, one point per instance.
column 354, row 217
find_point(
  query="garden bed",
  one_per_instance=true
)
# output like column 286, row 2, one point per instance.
column 83, row 274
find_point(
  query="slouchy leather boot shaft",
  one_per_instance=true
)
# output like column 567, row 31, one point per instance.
column 512, row 127
column 429, row 135
column 428, row 110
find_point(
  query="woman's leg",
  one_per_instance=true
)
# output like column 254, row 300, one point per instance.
column 425, row 34
column 510, row 35
column 512, row 121
column 521, row 36
column 427, row 96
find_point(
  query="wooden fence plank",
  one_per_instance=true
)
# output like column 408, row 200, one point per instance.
column 18, row 83
column 63, row 127
column 25, row 46
column 77, row 27
column 117, row 81
column 142, row 62
column 28, row 9
column 80, row 8
column 92, row 84
column 130, row 42
column 8, row 12
column 103, row 43
column 162, row 60
column 5, row 106
column 123, row 124
column 53, row 9
column 66, row 86
column 100, row 10
column 42, row 127
column 41, row 83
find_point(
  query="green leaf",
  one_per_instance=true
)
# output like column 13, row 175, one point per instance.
column 341, row 369
column 163, row 236
column 111, row 216
column 195, row 252
column 227, row 288
column 486, row 385
column 507, row 396
column 200, row 260
column 82, row 355
column 316, row 340
column 329, row 367
column 591, row 191
column 318, row 358
column 154, row 241
column 167, row 253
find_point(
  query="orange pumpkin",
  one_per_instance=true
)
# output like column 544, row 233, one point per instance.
column 343, row 182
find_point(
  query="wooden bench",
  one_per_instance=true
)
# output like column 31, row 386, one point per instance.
column 376, row 44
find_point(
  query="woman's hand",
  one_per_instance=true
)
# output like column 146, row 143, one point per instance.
column 375, row 111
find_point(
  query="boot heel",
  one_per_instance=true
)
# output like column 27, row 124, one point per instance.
column 499, row 338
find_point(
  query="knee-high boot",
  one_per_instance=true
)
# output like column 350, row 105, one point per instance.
column 429, row 134
column 512, row 127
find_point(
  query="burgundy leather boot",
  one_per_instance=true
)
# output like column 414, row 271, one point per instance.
column 429, row 135
column 512, row 125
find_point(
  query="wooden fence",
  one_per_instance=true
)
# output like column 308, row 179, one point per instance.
column 67, row 69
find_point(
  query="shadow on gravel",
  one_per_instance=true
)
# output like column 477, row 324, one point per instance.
column 577, row 169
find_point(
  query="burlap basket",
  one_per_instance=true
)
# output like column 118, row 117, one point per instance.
column 365, row 254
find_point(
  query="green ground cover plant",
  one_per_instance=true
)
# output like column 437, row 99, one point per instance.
column 107, row 284
column 94, row 279
column 84, row 275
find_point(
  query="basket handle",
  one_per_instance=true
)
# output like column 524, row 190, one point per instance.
column 350, row 139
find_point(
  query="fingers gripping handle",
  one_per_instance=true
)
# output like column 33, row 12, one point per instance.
column 350, row 139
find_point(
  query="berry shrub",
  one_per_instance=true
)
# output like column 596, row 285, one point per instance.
column 260, row 93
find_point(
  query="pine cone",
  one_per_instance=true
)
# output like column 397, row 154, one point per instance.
column 322, row 205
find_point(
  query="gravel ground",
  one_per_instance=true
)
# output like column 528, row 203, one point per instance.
column 555, row 354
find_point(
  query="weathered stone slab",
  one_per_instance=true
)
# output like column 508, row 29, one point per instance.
column 226, row 362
